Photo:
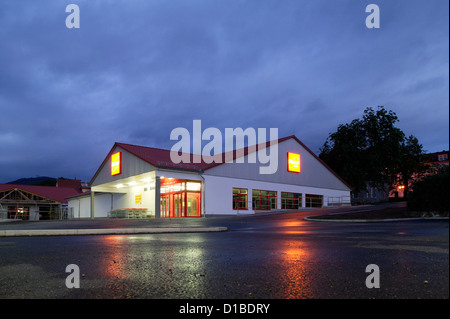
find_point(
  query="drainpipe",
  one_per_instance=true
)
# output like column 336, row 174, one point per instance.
column 203, row 194
column 92, row 204
column 157, row 197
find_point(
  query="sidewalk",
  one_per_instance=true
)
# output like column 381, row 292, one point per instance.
column 14, row 228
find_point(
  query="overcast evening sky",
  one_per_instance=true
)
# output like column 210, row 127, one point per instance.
column 135, row 70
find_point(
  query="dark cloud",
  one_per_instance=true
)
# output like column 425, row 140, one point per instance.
column 135, row 70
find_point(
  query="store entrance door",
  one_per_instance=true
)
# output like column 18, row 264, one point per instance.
column 178, row 204
column 165, row 206
column 180, row 198
column 193, row 205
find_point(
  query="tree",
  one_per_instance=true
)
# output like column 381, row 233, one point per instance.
column 409, row 163
column 370, row 149
column 383, row 146
column 346, row 146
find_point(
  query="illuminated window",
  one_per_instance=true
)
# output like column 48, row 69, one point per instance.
column 293, row 162
column 264, row 200
column 193, row 186
column 313, row 200
column 116, row 163
column 291, row 200
column 240, row 198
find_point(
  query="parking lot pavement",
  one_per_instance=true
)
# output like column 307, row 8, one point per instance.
column 278, row 256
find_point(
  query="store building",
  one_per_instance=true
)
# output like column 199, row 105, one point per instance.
column 142, row 182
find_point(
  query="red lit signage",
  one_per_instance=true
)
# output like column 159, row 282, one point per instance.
column 116, row 163
column 293, row 162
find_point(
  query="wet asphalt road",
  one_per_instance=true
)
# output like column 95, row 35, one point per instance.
column 259, row 257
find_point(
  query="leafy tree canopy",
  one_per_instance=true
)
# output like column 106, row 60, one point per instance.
column 371, row 149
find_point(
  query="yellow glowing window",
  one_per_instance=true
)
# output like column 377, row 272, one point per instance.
column 116, row 163
column 294, row 162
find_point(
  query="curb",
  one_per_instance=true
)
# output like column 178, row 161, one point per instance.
column 103, row 231
column 372, row 220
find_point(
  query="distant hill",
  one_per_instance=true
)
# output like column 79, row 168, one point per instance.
column 41, row 181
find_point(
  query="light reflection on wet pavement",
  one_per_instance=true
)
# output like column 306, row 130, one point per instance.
column 281, row 257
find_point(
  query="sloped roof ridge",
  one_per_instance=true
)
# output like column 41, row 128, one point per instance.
column 51, row 192
column 142, row 146
column 166, row 150
column 161, row 162
column 195, row 166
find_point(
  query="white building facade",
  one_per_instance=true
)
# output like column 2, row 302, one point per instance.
column 143, row 182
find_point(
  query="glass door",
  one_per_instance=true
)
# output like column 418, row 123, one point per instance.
column 180, row 198
column 165, row 206
column 179, row 205
column 193, row 205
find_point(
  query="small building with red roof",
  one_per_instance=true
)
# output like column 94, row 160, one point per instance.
column 32, row 202
column 141, row 182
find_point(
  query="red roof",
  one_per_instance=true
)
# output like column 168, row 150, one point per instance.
column 161, row 158
column 69, row 183
column 58, row 194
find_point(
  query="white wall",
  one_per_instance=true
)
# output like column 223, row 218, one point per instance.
column 219, row 193
column 127, row 200
column 82, row 205
column 131, row 166
column 313, row 172
column 218, row 196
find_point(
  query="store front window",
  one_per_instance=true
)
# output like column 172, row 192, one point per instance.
column 240, row 198
column 291, row 200
column 312, row 200
column 264, row 200
column 180, row 198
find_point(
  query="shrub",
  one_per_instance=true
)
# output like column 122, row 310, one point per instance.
column 431, row 194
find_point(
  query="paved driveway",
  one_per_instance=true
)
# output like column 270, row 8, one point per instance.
column 278, row 256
